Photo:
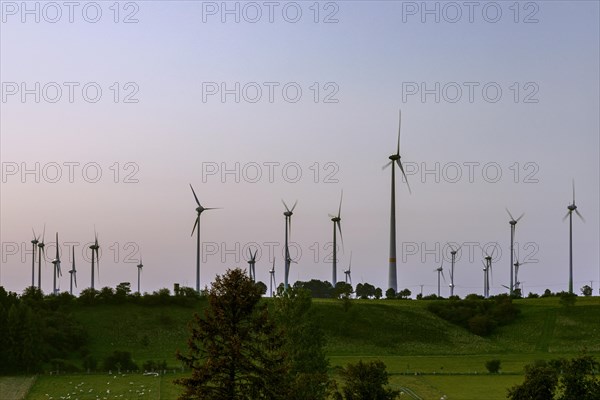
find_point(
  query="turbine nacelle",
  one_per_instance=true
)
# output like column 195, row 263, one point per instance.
column 394, row 157
column 572, row 207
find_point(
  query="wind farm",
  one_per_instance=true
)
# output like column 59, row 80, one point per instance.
column 424, row 129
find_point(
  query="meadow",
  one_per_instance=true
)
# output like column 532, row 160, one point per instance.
column 423, row 353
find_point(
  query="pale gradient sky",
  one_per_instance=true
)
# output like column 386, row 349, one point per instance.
column 171, row 133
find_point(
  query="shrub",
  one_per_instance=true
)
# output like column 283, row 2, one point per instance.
column 493, row 366
column 119, row 360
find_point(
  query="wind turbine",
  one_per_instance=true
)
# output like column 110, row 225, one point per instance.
column 336, row 222
column 440, row 271
column 453, row 254
column 199, row 210
column 56, row 263
column 394, row 159
column 95, row 247
column 288, row 233
column 347, row 272
column 139, row 267
column 41, row 252
column 488, row 271
column 486, row 279
column 73, row 273
column 34, row 243
column 272, row 282
column 513, row 225
column 571, row 207
column 251, row 263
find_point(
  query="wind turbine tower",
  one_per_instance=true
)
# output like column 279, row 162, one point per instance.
column 394, row 159
column 199, row 210
column 336, row 219
column 95, row 247
column 572, row 208
column 139, row 271
column 513, row 225
column 34, row 243
column 56, row 263
column 73, row 273
column 288, row 233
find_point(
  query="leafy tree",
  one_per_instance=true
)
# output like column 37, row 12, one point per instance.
column 540, row 384
column 573, row 379
column 365, row 290
column 304, row 343
column 378, row 293
column 122, row 290
column 367, row 381
column 235, row 350
column 318, row 289
column 578, row 380
column 493, row 366
column 342, row 289
column 390, row 293
column 120, row 360
column 404, row 294
column 263, row 288
column 586, row 290
column 547, row 293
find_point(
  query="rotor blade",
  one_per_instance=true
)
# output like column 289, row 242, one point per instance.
column 75, row 278
column 44, row 234
column 399, row 126
column 294, row 206
column 566, row 215
column 340, row 208
column 405, row 178
column 509, row 214
column 98, row 262
column 285, row 205
column 195, row 197
column 386, row 165
column 32, row 230
column 213, row 208
column 573, row 191
column 339, row 225
column 195, row 223
column 580, row 216
column 57, row 255
column 518, row 219
column 73, row 260
column 250, row 252
column 443, row 277
column 350, row 265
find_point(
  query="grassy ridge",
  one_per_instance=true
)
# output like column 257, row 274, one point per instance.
column 422, row 352
column 368, row 328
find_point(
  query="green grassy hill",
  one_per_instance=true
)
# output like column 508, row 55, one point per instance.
column 423, row 353
column 367, row 328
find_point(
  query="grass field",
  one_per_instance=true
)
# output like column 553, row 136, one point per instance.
column 422, row 352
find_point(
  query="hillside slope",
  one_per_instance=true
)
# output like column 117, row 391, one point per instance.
column 367, row 328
